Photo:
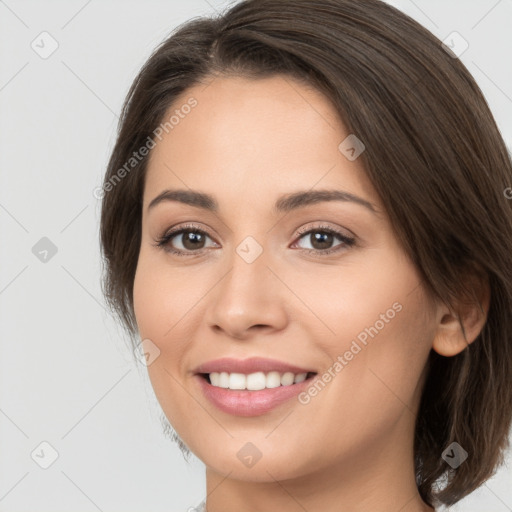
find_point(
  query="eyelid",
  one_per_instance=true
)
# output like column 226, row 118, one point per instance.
column 179, row 228
column 187, row 226
column 324, row 225
column 348, row 240
column 305, row 229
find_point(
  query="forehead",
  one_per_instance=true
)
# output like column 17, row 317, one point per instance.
column 253, row 138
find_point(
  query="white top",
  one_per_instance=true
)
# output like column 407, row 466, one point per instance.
column 199, row 508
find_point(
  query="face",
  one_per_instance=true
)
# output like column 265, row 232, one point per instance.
column 321, row 285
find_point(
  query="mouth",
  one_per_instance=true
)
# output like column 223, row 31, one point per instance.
column 255, row 381
column 254, row 394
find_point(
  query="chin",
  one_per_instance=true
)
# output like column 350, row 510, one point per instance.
column 267, row 468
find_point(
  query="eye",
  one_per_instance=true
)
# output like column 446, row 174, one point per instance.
column 321, row 239
column 188, row 239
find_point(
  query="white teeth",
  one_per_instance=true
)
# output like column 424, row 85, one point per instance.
column 237, row 381
column 287, row 379
column 224, row 380
column 255, row 381
column 272, row 380
column 300, row 377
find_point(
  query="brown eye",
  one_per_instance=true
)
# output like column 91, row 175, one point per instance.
column 184, row 241
column 192, row 239
column 321, row 240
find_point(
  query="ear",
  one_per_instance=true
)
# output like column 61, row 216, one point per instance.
column 456, row 329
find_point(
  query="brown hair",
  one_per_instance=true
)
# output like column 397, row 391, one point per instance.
column 433, row 153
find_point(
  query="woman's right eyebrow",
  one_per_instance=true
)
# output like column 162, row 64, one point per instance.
column 190, row 197
column 284, row 203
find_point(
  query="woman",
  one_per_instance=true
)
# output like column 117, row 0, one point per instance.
column 305, row 220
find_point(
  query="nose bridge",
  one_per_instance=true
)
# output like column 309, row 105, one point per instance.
column 248, row 294
column 247, row 283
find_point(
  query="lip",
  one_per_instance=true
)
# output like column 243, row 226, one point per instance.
column 250, row 403
column 250, row 365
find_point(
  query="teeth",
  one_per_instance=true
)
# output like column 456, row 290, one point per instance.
column 255, row 381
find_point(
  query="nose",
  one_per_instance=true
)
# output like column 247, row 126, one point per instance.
column 248, row 300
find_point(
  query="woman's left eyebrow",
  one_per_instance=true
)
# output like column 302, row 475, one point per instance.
column 289, row 202
column 285, row 203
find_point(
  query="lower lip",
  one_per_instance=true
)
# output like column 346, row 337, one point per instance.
column 250, row 403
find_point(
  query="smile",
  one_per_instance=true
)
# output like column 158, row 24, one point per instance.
column 253, row 394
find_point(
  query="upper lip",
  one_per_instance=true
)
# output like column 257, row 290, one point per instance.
column 247, row 366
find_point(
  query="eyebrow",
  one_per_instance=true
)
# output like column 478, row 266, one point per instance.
column 285, row 203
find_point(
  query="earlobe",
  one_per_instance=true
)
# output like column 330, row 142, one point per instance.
column 455, row 331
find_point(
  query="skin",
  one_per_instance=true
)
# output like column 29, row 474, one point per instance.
column 351, row 447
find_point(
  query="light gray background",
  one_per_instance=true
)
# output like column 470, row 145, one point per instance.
column 67, row 377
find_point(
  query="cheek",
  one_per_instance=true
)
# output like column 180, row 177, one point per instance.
column 347, row 299
column 159, row 297
column 380, row 325
column 165, row 301
column 158, row 306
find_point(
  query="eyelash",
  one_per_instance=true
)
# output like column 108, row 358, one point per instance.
column 163, row 241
